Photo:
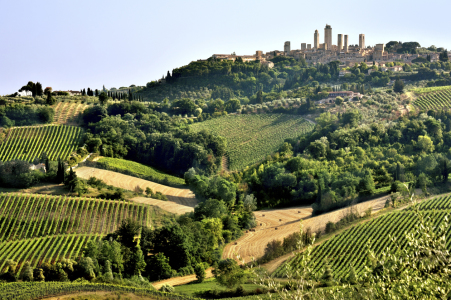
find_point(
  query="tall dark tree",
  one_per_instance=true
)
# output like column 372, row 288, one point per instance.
column 398, row 86
column 168, row 78
column 39, row 90
column 444, row 56
column 103, row 98
column 47, row 165
column 445, row 170
column 260, row 97
column 50, row 100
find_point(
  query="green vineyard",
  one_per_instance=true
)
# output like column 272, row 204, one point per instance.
column 349, row 248
column 27, row 143
column 43, row 228
column 434, row 100
column 39, row 290
column 250, row 138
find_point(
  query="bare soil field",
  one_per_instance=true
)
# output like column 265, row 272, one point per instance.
column 180, row 196
column 100, row 296
column 181, row 280
column 169, row 206
column 279, row 223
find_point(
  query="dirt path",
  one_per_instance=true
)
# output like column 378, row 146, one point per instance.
column 181, row 280
column 99, row 295
column 269, row 227
column 224, row 164
column 180, row 196
column 169, row 206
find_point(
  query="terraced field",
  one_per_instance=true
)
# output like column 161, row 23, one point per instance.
column 27, row 143
column 43, row 228
column 349, row 248
column 68, row 112
column 250, row 138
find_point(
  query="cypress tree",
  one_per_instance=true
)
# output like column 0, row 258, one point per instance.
column 47, row 165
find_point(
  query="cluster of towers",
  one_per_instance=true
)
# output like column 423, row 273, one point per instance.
column 342, row 43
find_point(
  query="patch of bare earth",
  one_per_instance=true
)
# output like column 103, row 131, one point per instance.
column 279, row 223
column 181, row 280
column 183, row 197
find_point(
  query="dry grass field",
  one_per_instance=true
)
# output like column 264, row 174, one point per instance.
column 269, row 227
column 181, row 280
column 169, row 206
column 68, row 112
column 183, row 197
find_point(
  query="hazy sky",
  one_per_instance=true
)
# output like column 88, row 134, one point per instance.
column 69, row 44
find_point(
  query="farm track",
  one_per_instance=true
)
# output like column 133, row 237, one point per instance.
column 181, row 280
column 183, row 197
column 252, row 244
column 169, row 206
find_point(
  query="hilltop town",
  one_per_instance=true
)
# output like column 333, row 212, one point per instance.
column 343, row 51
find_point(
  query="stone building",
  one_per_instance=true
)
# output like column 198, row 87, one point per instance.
column 287, row 48
column 340, row 42
column 362, row 41
column 316, row 40
column 345, row 47
column 328, row 36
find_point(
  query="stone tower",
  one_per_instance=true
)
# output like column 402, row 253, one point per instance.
column 287, row 48
column 362, row 41
column 340, row 42
column 345, row 47
column 316, row 40
column 303, row 46
column 328, row 37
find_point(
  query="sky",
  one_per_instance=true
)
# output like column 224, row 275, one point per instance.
column 71, row 45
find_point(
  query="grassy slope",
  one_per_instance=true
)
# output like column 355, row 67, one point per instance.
column 250, row 138
column 211, row 284
column 140, row 169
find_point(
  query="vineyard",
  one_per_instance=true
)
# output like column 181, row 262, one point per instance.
column 27, row 143
column 39, row 290
column 43, row 228
column 68, row 112
column 250, row 138
column 349, row 248
column 438, row 97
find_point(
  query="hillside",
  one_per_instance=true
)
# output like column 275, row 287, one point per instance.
column 140, row 170
column 279, row 223
column 28, row 143
column 180, row 196
column 43, row 228
column 433, row 98
column 250, row 138
column 69, row 112
column 349, row 247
